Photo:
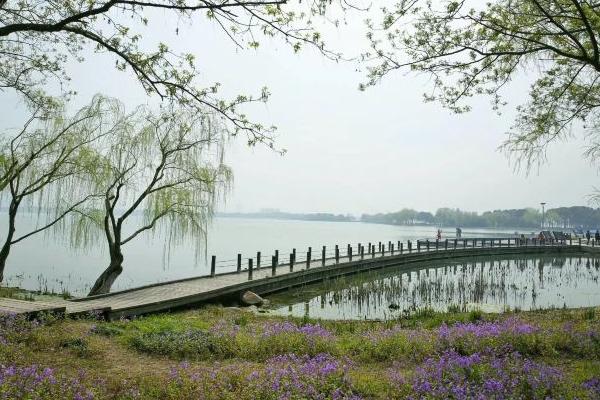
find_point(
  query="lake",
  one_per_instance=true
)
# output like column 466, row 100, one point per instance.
column 42, row 262
column 488, row 284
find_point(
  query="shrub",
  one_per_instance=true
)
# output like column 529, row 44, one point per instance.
column 79, row 346
column 192, row 344
column 285, row 377
column 33, row 383
column 483, row 375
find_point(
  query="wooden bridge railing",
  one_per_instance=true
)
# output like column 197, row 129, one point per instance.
column 372, row 250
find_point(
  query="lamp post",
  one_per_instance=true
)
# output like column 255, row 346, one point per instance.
column 543, row 213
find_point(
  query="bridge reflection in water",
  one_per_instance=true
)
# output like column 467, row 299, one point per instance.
column 492, row 284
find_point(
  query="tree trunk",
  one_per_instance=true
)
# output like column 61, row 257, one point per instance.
column 3, row 256
column 110, row 274
column 4, row 252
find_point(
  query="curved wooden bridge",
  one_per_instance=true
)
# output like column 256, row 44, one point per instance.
column 288, row 273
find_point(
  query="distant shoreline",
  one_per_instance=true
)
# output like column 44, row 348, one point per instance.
column 317, row 217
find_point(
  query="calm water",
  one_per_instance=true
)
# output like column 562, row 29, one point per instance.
column 484, row 283
column 41, row 262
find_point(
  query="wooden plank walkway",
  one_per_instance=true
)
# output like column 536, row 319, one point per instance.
column 15, row 306
column 187, row 292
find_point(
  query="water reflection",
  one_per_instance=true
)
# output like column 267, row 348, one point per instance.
column 493, row 285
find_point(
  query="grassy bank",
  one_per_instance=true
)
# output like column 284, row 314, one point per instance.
column 217, row 353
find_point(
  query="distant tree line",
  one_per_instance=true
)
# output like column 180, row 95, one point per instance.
column 562, row 217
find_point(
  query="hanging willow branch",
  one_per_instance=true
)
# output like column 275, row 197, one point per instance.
column 472, row 49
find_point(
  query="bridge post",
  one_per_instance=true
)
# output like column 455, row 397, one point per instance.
column 455, row 243
column 369, row 250
column 292, row 259
column 390, row 245
column 337, row 254
column 257, row 260
column 239, row 263
column 446, row 244
column 401, row 247
column 349, row 253
column 427, row 244
column 383, row 249
column 392, row 248
column 250, row 268
column 273, row 265
column 277, row 256
column 373, row 251
column 323, row 251
column 294, row 252
column 308, row 257
column 362, row 252
column 213, row 265
column 418, row 246
column 464, row 243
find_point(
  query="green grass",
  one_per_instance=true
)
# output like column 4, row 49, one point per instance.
column 144, row 349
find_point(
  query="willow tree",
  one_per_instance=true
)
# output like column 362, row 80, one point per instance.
column 46, row 164
column 39, row 39
column 477, row 48
column 167, row 165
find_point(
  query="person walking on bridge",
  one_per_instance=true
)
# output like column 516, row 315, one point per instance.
column 587, row 236
column 439, row 234
column 597, row 235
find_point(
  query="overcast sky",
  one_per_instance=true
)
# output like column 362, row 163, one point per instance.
column 350, row 151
